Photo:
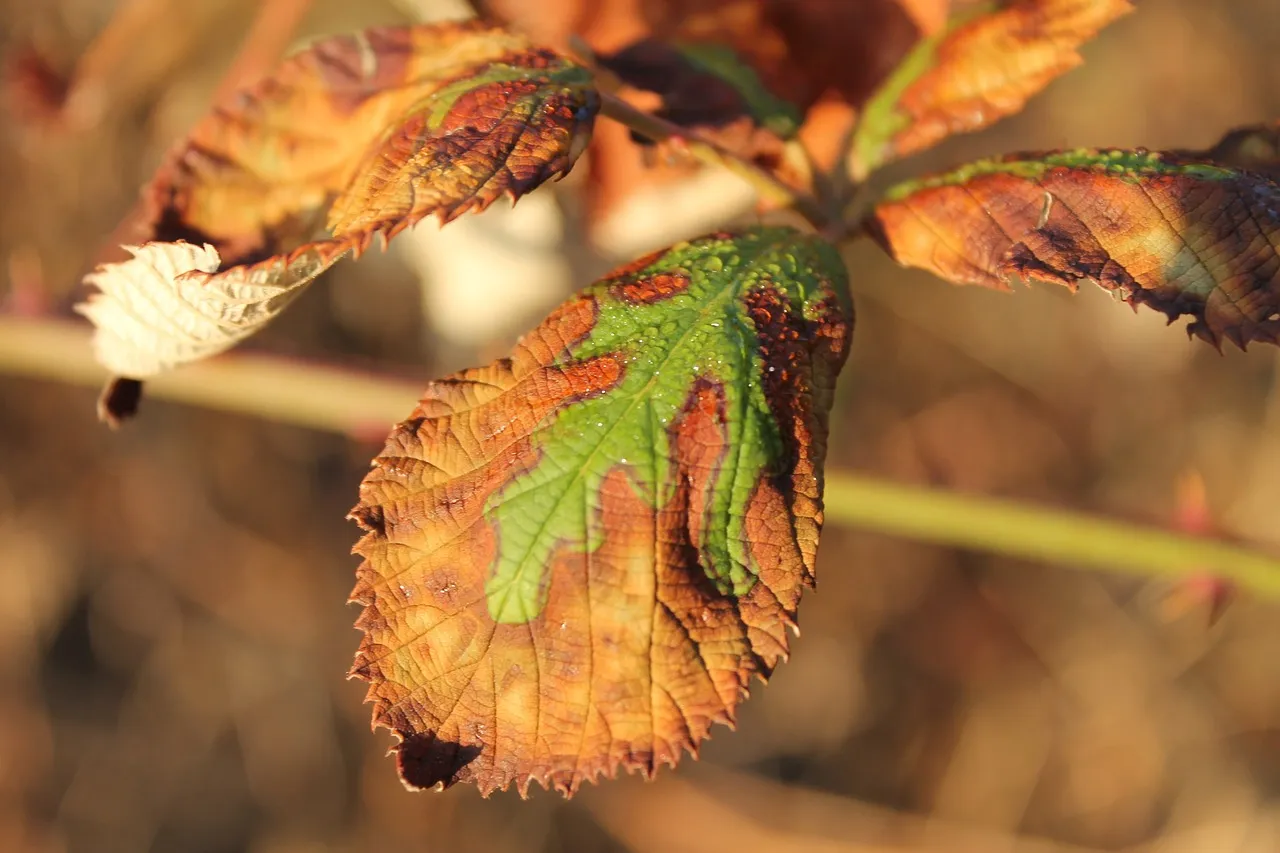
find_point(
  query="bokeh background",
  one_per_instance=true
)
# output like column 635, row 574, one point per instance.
column 173, row 633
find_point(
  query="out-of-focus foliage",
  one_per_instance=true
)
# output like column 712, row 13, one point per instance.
column 984, row 66
column 799, row 51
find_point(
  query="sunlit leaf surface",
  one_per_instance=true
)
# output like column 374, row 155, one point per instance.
column 983, row 67
column 356, row 136
column 576, row 557
column 1186, row 237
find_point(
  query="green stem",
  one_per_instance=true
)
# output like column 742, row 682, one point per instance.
column 327, row 398
column 1046, row 534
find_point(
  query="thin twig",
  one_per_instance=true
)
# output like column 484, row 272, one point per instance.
column 328, row 398
column 1015, row 529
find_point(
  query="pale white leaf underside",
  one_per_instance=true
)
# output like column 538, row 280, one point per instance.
column 168, row 305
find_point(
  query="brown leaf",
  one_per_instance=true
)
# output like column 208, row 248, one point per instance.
column 1255, row 148
column 356, row 136
column 1186, row 237
column 983, row 68
column 708, row 90
column 577, row 558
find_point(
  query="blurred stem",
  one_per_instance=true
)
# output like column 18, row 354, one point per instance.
column 1015, row 529
column 767, row 184
column 269, row 387
column 345, row 401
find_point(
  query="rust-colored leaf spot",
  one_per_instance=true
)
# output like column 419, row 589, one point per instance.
column 1186, row 237
column 653, row 288
column 576, row 558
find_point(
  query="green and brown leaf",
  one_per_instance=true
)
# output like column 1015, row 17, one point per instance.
column 1185, row 236
column 983, row 67
column 356, row 136
column 576, row 557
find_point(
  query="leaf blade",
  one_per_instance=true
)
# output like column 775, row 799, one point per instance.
column 634, row 477
column 1185, row 236
column 295, row 171
column 984, row 66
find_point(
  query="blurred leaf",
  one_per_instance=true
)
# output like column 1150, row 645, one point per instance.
column 800, row 49
column 1255, row 148
column 1182, row 236
column 709, row 90
column 983, row 67
column 822, row 56
column 577, row 557
column 356, row 136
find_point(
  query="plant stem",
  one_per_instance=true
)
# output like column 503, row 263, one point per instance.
column 1046, row 534
column 346, row 401
column 269, row 387
column 765, row 182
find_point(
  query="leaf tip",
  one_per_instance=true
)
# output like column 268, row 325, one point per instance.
column 119, row 400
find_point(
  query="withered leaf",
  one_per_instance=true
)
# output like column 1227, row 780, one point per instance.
column 1184, row 236
column 576, row 557
column 984, row 66
column 356, row 136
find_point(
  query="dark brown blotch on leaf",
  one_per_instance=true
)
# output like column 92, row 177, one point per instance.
column 425, row 761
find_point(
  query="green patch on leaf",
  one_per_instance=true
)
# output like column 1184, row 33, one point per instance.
column 702, row 331
column 1125, row 164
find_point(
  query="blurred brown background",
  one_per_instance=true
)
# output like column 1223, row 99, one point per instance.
column 173, row 636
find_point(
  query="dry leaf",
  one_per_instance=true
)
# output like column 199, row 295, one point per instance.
column 356, row 136
column 576, row 558
column 1186, row 237
column 981, row 69
column 165, row 306
column 1255, row 148
column 708, row 90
